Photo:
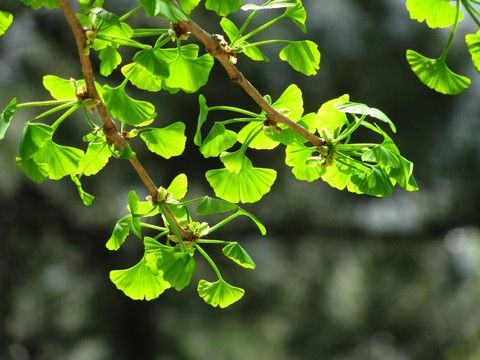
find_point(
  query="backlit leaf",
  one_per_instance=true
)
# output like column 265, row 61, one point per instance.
column 296, row 156
column 126, row 109
column 218, row 140
column 37, row 4
column 404, row 175
column 59, row 88
column 223, row 7
column 303, row 56
column 87, row 199
column 96, row 157
column 238, row 254
column 147, row 70
column 247, row 186
column 36, row 172
column 473, row 44
column 61, row 160
column 163, row 8
column 110, row 59
column 273, row 4
column 6, row 117
column 329, row 117
column 292, row 100
column 5, row 21
column 178, row 186
column 376, row 183
column 219, row 293
column 166, row 142
column 138, row 282
column 34, row 137
column 437, row 13
column 213, row 206
column 188, row 5
column 298, row 15
column 189, row 74
column 202, row 117
column 261, row 141
column 120, row 233
column 176, row 268
column 362, row 109
column 436, row 75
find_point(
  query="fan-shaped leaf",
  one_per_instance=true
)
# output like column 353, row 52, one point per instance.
column 6, row 117
column 189, row 5
column 61, row 160
column 436, row 75
column 303, row 56
column 219, row 293
column 5, row 21
column 329, row 117
column 473, row 44
column 120, row 233
column 202, row 117
column 296, row 156
column 222, row 7
column 298, row 15
column 166, row 142
column 34, row 137
column 178, row 186
column 164, row 9
column 189, row 74
column 36, row 172
column 273, row 4
column 437, row 13
column 110, row 59
column 362, row 109
column 97, row 156
column 87, row 199
column 238, row 254
column 218, row 140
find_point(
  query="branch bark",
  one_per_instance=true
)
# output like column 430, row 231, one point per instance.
column 109, row 127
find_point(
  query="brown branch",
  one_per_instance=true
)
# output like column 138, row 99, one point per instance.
column 218, row 52
column 109, row 127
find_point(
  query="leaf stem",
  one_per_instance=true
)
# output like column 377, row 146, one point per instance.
column 452, row 33
column 124, row 41
column 471, row 10
column 267, row 42
column 149, row 32
column 349, row 130
column 67, row 113
column 154, row 227
column 45, row 103
column 223, row 222
column 210, row 261
column 209, row 241
column 55, row 109
column 235, row 109
column 130, row 13
column 257, row 30
column 244, row 26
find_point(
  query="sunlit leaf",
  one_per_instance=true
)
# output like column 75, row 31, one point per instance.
column 36, row 172
column 222, row 7
column 261, row 141
column 329, row 117
column 166, row 142
column 37, row 4
column 202, row 117
column 178, row 186
column 404, row 175
column 106, row 36
column 292, row 100
column 274, row 4
column 376, row 182
column 303, row 56
column 87, row 199
column 34, row 137
column 189, row 74
column 188, row 5
column 6, row 117
column 5, row 21
column 339, row 173
column 61, row 160
column 381, row 155
column 97, row 156
column 473, row 44
column 298, row 15
column 218, row 140
column 59, row 88
column 176, row 268
column 120, row 233
column 164, row 8
column 235, row 161
column 296, row 156
column 436, row 75
column 362, row 109
column 437, row 13
column 110, row 59
column 147, row 70
column 138, row 282
column 134, row 207
column 238, row 254
column 126, row 109
column 247, row 186
column 219, row 293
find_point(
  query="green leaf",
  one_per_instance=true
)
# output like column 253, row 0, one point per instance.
column 147, row 70
column 217, row 140
column 329, row 117
column 362, row 109
column 120, row 233
column 436, row 75
column 247, row 186
column 134, row 207
column 303, row 56
column 437, row 13
column 261, row 141
column 473, row 44
column 219, row 293
column 176, row 268
column 110, row 59
column 36, row 172
column 37, row 4
column 126, row 109
column 60, row 89
column 165, row 9
column 381, row 155
column 376, row 183
column 138, row 282
column 273, row 4
column 339, row 173
column 292, row 100
column 188, row 5
column 107, row 36
column 189, row 74
column 34, row 137
column 87, row 199
column 404, row 175
column 61, row 160
column 296, row 156
column 236, row 253
column 223, row 7
column 166, row 142
column 214, row 206
column 6, row 117
column 178, row 186
column 6, row 20
column 297, row 14
column 97, row 156
column 235, row 161
column 105, row 17
column 202, row 117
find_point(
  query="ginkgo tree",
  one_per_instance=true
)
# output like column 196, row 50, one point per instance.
column 319, row 145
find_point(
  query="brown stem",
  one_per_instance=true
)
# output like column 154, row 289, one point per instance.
column 109, row 127
column 215, row 49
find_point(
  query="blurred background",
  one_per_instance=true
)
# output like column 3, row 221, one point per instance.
column 339, row 276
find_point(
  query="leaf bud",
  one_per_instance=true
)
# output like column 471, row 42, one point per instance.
column 173, row 238
column 313, row 161
column 91, row 35
column 90, row 103
column 336, row 132
column 162, row 194
column 284, row 112
column 326, row 135
column 150, row 200
column 323, row 150
column 268, row 130
column 278, row 129
column 268, row 99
